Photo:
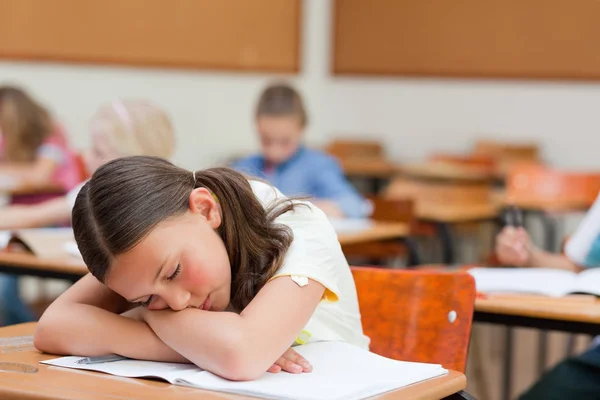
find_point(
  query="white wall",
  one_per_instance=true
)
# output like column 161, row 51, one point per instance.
column 213, row 111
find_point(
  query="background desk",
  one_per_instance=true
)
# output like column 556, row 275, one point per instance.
column 18, row 263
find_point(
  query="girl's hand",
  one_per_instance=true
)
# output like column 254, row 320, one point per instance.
column 291, row 362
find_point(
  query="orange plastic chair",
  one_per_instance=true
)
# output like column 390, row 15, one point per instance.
column 421, row 316
column 507, row 154
column 531, row 186
column 479, row 163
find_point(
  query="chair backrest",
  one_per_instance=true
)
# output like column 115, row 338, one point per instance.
column 392, row 210
column 384, row 210
column 481, row 163
column 507, row 154
column 425, row 193
column 537, row 183
column 507, row 150
column 421, row 316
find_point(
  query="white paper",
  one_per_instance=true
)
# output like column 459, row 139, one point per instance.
column 546, row 281
column 340, row 372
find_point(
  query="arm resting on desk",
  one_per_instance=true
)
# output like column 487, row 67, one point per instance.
column 240, row 347
column 52, row 212
column 85, row 321
column 30, row 176
column 514, row 247
column 543, row 259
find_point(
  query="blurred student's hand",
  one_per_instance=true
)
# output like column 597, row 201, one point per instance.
column 514, row 247
column 291, row 362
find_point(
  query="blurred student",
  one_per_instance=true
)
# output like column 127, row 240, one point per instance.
column 117, row 129
column 582, row 250
column 576, row 377
column 291, row 167
column 34, row 152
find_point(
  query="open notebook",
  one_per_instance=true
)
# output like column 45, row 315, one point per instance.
column 340, row 371
column 545, row 281
column 44, row 242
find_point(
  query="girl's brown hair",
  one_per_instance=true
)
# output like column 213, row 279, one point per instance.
column 126, row 198
column 25, row 124
column 281, row 99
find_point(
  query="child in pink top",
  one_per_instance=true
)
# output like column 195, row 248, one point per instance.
column 35, row 159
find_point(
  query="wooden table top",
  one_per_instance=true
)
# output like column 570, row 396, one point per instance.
column 378, row 232
column 369, row 167
column 457, row 213
column 54, row 383
column 445, row 172
column 568, row 308
column 67, row 265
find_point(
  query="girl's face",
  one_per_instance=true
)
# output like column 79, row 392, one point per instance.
column 182, row 262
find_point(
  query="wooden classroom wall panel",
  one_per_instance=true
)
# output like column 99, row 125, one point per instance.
column 468, row 38
column 257, row 35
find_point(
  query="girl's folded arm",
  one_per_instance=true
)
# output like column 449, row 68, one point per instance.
column 85, row 321
column 241, row 347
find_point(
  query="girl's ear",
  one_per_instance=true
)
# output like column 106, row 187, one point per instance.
column 203, row 203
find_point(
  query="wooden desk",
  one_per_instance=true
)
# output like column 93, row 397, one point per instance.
column 58, row 383
column 380, row 231
column 376, row 170
column 28, row 264
column 456, row 214
column 445, row 172
column 561, row 314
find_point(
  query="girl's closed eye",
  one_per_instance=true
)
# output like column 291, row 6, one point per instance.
column 175, row 273
column 147, row 302
column 168, row 278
